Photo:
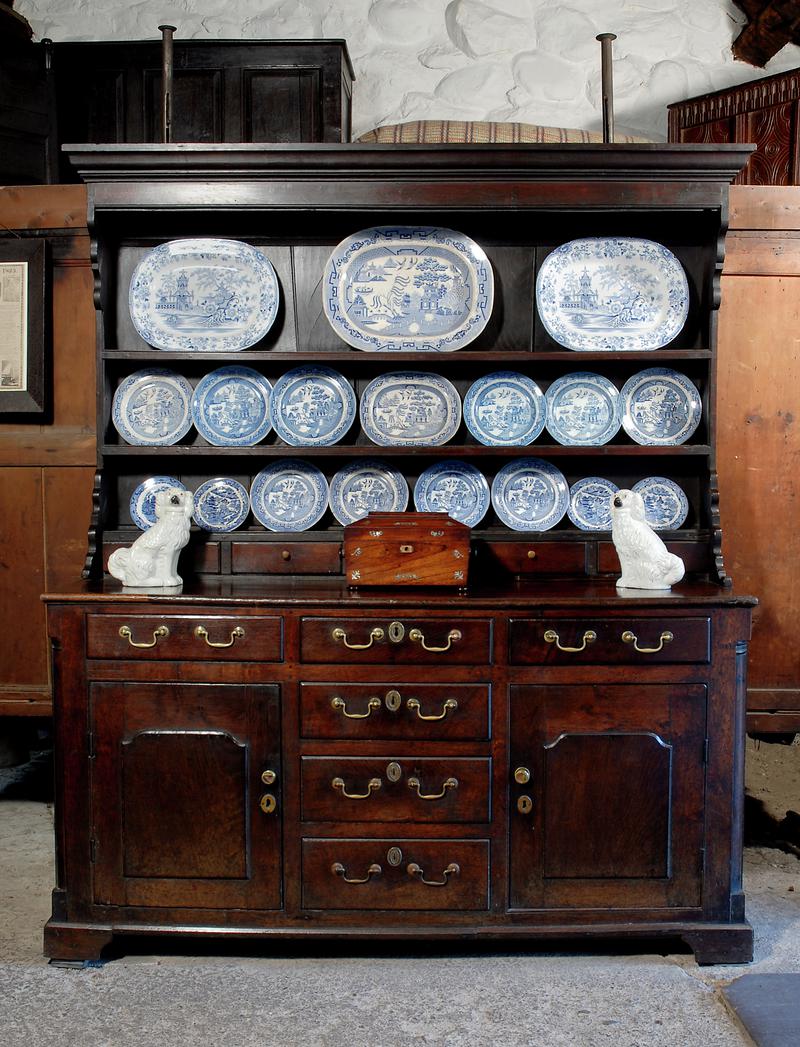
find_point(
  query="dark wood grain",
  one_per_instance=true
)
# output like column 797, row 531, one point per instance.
column 690, row 642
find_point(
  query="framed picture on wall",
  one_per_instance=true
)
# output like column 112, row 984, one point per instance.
column 23, row 326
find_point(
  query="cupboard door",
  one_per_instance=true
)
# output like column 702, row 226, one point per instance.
column 177, row 794
column 611, row 811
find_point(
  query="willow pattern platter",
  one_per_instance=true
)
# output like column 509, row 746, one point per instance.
column 152, row 407
column 590, row 503
column 504, row 409
column 453, row 487
column 290, row 495
column 368, row 486
column 221, row 504
column 582, row 409
column 660, row 407
column 143, row 499
column 410, row 408
column 529, row 494
column 665, row 503
column 230, row 407
column 312, row 406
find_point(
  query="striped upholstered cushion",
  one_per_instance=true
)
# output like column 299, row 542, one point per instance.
column 479, row 132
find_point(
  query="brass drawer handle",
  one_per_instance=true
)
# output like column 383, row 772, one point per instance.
column 236, row 634
column 665, row 638
column 449, row 706
column 373, row 783
column 341, row 706
column 449, row 783
column 339, row 870
column 417, row 636
column 375, row 634
column 415, row 870
column 551, row 636
column 161, row 633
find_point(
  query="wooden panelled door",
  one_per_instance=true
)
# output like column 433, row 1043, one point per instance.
column 607, row 788
column 185, row 795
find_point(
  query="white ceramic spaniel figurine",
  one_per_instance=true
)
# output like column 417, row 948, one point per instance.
column 646, row 563
column 152, row 561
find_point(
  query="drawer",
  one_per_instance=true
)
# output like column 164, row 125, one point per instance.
column 395, row 874
column 401, row 788
column 427, row 641
column 286, row 558
column 610, row 641
column 195, row 637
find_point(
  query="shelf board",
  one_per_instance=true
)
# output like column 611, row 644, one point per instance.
column 491, row 356
column 373, row 451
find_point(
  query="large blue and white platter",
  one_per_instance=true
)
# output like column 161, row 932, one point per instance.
column 203, row 295
column 612, row 293
column 529, row 494
column 153, row 406
column 290, row 495
column 665, row 503
column 312, row 406
column 504, row 409
column 143, row 499
column 660, row 407
column 367, row 486
column 582, row 409
column 408, row 288
column 590, row 503
column 230, row 407
column 410, row 409
column 221, row 504
column 453, row 487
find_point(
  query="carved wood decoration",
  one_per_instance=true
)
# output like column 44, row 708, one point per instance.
column 773, row 24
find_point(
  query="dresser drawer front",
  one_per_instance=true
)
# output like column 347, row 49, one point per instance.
column 617, row 641
column 403, row 641
column 401, row 788
column 393, row 871
column 386, row 710
column 193, row 637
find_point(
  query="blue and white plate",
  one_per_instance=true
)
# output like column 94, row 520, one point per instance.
column 590, row 503
column 221, row 504
column 230, row 407
column 312, row 406
column 660, row 407
column 410, row 409
column 367, row 486
column 453, row 487
column 504, row 409
column 290, row 495
column 143, row 499
column 665, row 503
column 582, row 409
column 152, row 407
column 408, row 288
column 614, row 293
column 203, row 295
column 529, row 494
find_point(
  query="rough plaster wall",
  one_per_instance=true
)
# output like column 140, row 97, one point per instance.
column 530, row 60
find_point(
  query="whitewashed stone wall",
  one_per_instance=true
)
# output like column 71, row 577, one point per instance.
column 530, row 60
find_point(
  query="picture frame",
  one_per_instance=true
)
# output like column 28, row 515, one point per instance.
column 24, row 313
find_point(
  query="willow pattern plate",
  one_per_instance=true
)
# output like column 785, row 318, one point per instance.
column 582, row 409
column 665, row 503
column 529, row 494
column 143, row 499
column 152, row 407
column 221, row 504
column 368, row 486
column 590, row 503
column 410, row 408
column 660, row 407
column 504, row 409
column 453, row 487
column 230, row 407
column 290, row 495
column 312, row 406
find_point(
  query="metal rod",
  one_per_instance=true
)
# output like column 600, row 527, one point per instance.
column 166, row 81
column 608, row 85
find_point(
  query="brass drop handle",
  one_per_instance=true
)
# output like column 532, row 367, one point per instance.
column 417, row 636
column 551, row 636
column 375, row 634
column 449, row 783
column 267, row 803
column 201, row 633
column 341, row 706
column 339, row 870
column 415, row 870
column 665, row 638
column 161, row 633
column 449, row 706
column 373, row 783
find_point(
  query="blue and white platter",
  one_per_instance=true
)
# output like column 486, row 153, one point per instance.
column 590, row 503
column 453, row 487
column 665, row 503
column 504, row 409
column 230, row 407
column 143, row 499
column 203, row 295
column 312, row 406
column 582, row 409
column 367, row 486
column 221, row 504
column 290, row 495
column 529, row 494
column 408, row 288
column 612, row 293
column 152, row 407
column 660, row 407
column 410, row 409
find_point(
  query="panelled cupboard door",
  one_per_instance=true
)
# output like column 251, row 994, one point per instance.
column 606, row 795
column 185, row 809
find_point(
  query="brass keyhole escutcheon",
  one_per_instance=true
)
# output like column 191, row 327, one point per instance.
column 268, row 777
column 393, row 700
column 267, row 803
column 394, row 772
column 394, row 856
column 524, row 805
column 522, row 776
column 397, row 632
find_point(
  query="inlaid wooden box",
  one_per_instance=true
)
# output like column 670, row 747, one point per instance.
column 406, row 549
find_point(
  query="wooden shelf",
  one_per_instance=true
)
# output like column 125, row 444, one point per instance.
column 374, row 451
column 354, row 356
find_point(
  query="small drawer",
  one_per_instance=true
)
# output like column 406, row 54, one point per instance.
column 395, row 710
column 615, row 641
column 286, row 558
column 395, row 789
column 193, row 637
column 395, row 874
column 428, row 641
column 530, row 558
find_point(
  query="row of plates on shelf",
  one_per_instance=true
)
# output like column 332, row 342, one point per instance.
column 528, row 494
column 316, row 406
column 426, row 288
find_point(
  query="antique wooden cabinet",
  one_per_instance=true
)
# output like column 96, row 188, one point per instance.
column 269, row 753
